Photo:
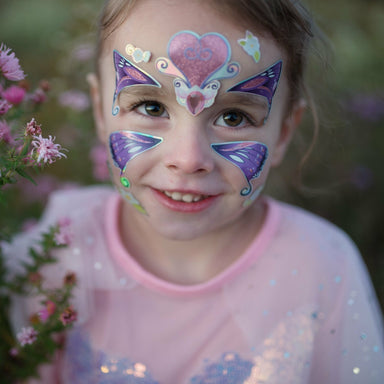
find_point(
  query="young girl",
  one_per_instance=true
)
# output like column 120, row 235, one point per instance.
column 187, row 274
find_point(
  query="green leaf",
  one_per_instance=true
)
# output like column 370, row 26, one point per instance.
column 24, row 174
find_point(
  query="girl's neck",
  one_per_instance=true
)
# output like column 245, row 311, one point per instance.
column 194, row 261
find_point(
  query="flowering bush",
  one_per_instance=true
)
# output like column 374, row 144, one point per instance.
column 23, row 152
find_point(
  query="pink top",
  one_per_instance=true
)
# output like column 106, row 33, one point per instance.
column 135, row 270
column 297, row 307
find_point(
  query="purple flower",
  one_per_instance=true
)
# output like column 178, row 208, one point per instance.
column 64, row 234
column 9, row 64
column 32, row 128
column 13, row 352
column 47, row 311
column 83, row 52
column 14, row 94
column 46, row 150
column 68, row 316
column 39, row 96
column 4, row 107
column 369, row 107
column 5, row 132
column 74, row 99
column 27, row 335
column 32, row 193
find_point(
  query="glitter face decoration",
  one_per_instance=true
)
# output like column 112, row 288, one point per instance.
column 251, row 198
column 126, row 145
column 263, row 84
column 128, row 196
column 137, row 54
column 249, row 156
column 197, row 62
column 251, row 45
column 127, row 75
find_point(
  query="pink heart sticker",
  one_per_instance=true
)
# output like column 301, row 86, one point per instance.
column 198, row 57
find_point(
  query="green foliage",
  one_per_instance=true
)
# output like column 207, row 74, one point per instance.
column 21, row 362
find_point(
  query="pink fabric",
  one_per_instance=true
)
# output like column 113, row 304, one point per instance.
column 297, row 307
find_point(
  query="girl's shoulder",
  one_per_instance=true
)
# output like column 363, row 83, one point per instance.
column 307, row 225
column 312, row 238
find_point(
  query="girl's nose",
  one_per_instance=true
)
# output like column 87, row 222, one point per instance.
column 188, row 151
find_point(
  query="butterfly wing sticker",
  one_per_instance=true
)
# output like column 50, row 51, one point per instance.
column 248, row 156
column 126, row 145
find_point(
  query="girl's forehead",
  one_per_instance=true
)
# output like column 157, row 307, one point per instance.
column 192, row 52
column 151, row 25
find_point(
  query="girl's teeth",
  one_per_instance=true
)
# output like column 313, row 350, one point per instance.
column 186, row 198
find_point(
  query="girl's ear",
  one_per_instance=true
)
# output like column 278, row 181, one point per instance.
column 288, row 128
column 95, row 92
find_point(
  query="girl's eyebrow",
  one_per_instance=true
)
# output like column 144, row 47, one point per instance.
column 144, row 91
column 243, row 98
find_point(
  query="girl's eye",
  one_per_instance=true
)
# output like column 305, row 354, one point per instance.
column 232, row 119
column 151, row 108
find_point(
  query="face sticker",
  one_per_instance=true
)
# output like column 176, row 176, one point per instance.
column 127, row 75
column 253, row 196
column 126, row 145
column 132, row 200
column 251, row 45
column 137, row 54
column 197, row 62
column 249, row 156
column 263, row 84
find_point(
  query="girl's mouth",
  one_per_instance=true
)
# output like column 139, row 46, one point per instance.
column 185, row 202
column 185, row 197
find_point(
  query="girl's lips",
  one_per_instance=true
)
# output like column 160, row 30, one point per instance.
column 185, row 202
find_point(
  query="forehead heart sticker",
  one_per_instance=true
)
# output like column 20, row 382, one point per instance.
column 197, row 62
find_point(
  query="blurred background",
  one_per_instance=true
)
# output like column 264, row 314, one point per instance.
column 342, row 180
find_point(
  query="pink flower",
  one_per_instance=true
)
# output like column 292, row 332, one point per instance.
column 64, row 235
column 4, row 107
column 14, row 94
column 13, row 352
column 38, row 193
column 68, row 316
column 74, row 99
column 39, row 96
column 33, row 128
column 9, row 64
column 99, row 157
column 47, row 311
column 46, row 150
column 27, row 335
column 5, row 132
column 83, row 52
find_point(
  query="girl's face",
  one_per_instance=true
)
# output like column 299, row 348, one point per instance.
column 191, row 146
